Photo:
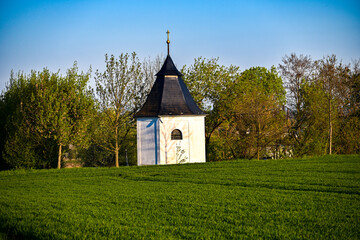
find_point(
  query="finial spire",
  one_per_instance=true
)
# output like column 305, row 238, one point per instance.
column 168, row 41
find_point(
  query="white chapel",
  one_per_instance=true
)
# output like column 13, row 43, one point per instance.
column 170, row 125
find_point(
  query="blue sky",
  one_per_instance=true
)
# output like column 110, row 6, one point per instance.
column 53, row 34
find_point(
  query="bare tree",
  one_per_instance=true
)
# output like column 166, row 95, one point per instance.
column 333, row 76
column 117, row 90
column 149, row 68
column 122, row 90
column 296, row 71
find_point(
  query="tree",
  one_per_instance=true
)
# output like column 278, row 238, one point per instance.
column 18, row 148
column 354, row 86
column 120, row 90
column 297, row 71
column 346, row 141
column 257, row 100
column 333, row 76
column 103, row 141
column 48, row 108
column 60, row 107
column 320, row 93
column 208, row 83
column 312, row 139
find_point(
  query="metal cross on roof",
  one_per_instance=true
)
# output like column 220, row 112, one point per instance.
column 168, row 41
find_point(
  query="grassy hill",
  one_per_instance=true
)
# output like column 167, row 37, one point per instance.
column 313, row 198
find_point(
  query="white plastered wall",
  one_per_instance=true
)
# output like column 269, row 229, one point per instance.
column 188, row 150
column 147, row 141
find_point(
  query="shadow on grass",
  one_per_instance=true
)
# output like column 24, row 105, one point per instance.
column 288, row 187
column 9, row 232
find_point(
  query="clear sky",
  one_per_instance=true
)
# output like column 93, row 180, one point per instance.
column 55, row 33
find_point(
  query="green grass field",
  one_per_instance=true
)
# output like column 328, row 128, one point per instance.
column 313, row 198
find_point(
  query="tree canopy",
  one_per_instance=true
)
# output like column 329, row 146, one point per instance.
column 43, row 110
column 311, row 107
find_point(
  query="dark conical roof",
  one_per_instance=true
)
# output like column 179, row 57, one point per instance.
column 168, row 68
column 169, row 95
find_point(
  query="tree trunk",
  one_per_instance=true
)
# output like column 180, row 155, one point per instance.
column 258, row 140
column 116, row 149
column 330, row 127
column 207, row 144
column 59, row 156
column 208, row 138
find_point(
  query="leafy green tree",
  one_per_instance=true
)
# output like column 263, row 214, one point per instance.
column 256, row 101
column 103, row 142
column 17, row 149
column 60, row 108
column 208, row 83
column 348, row 134
column 21, row 147
column 312, row 140
column 120, row 92
column 48, row 109
column 347, row 139
column 354, row 86
column 309, row 83
column 333, row 76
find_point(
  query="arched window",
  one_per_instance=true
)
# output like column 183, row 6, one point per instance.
column 176, row 134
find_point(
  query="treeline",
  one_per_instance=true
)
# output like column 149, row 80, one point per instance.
column 304, row 107
column 46, row 118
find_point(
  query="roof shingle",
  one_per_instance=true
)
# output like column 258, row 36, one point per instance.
column 169, row 95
